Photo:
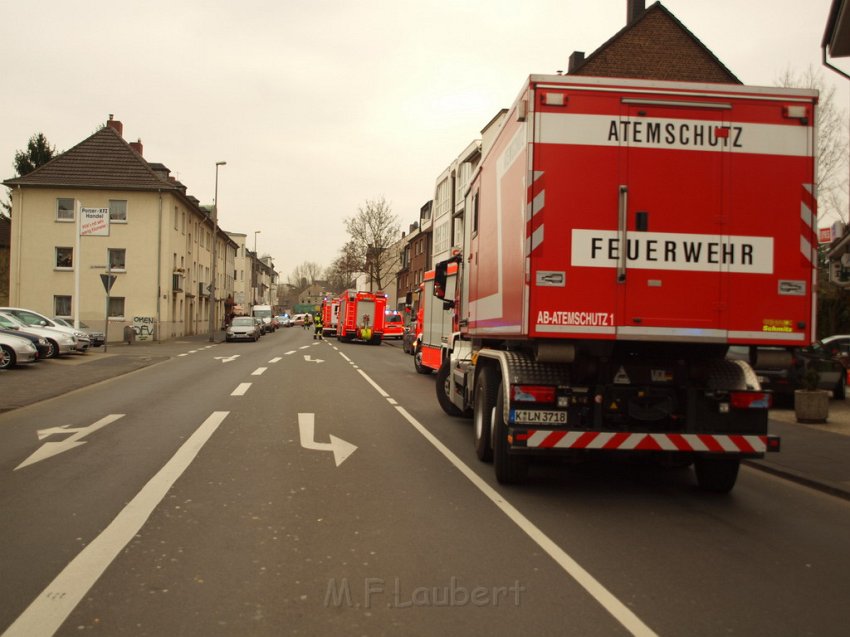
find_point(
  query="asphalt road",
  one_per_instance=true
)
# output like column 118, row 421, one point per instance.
column 197, row 501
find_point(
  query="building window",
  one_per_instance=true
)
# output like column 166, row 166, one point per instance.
column 117, row 258
column 64, row 209
column 442, row 202
column 62, row 306
column 441, row 237
column 65, row 258
column 116, row 307
column 457, row 240
column 118, row 210
column 176, row 217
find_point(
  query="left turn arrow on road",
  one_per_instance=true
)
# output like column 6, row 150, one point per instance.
column 49, row 449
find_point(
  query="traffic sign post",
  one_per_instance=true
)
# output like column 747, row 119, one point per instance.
column 108, row 279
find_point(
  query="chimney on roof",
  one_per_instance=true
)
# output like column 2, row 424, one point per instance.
column 137, row 146
column 634, row 10
column 576, row 60
column 114, row 124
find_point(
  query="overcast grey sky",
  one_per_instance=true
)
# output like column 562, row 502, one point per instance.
column 319, row 105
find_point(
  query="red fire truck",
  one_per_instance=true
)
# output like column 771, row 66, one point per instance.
column 620, row 235
column 436, row 322
column 361, row 316
column 330, row 316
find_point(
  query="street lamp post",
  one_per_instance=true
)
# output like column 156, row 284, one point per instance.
column 254, row 268
column 214, row 257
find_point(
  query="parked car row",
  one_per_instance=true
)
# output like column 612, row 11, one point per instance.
column 27, row 336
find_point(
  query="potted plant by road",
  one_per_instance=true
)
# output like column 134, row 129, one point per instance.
column 811, row 404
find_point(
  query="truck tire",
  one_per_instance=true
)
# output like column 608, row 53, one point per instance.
column 717, row 475
column 417, row 362
column 510, row 468
column 442, row 388
column 486, row 387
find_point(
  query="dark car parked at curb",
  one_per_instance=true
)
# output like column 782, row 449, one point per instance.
column 782, row 370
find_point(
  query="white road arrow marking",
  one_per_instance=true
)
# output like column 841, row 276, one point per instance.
column 307, row 427
column 49, row 449
column 310, row 359
column 226, row 359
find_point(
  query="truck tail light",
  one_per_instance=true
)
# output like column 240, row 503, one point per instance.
column 533, row 393
column 751, row 400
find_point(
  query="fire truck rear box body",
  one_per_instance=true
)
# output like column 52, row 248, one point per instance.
column 361, row 316
column 620, row 234
column 639, row 210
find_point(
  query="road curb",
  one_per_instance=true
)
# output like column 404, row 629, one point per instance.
column 794, row 476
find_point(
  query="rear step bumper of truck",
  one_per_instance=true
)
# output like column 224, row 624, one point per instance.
column 522, row 439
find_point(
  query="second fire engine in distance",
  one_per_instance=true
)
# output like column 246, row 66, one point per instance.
column 361, row 316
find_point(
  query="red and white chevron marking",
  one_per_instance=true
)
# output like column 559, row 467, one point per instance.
column 808, row 224
column 624, row 441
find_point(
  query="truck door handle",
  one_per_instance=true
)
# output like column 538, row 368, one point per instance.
column 622, row 233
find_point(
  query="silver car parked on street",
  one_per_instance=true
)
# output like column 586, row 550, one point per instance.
column 31, row 317
column 59, row 342
column 15, row 350
column 243, row 328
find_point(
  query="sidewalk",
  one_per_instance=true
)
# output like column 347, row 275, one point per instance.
column 40, row 381
column 817, row 456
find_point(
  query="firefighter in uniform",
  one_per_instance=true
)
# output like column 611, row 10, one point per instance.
column 318, row 323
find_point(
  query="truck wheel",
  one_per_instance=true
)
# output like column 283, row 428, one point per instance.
column 510, row 468
column 716, row 474
column 417, row 362
column 442, row 388
column 482, row 416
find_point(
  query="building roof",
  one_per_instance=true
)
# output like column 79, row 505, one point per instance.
column 103, row 160
column 836, row 37
column 655, row 46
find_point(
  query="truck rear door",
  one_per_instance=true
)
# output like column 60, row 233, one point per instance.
column 671, row 250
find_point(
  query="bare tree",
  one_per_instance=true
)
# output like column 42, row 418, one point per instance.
column 304, row 274
column 831, row 140
column 345, row 268
column 373, row 231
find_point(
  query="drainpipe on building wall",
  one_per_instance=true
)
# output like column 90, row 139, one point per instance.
column 159, row 270
column 16, row 300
